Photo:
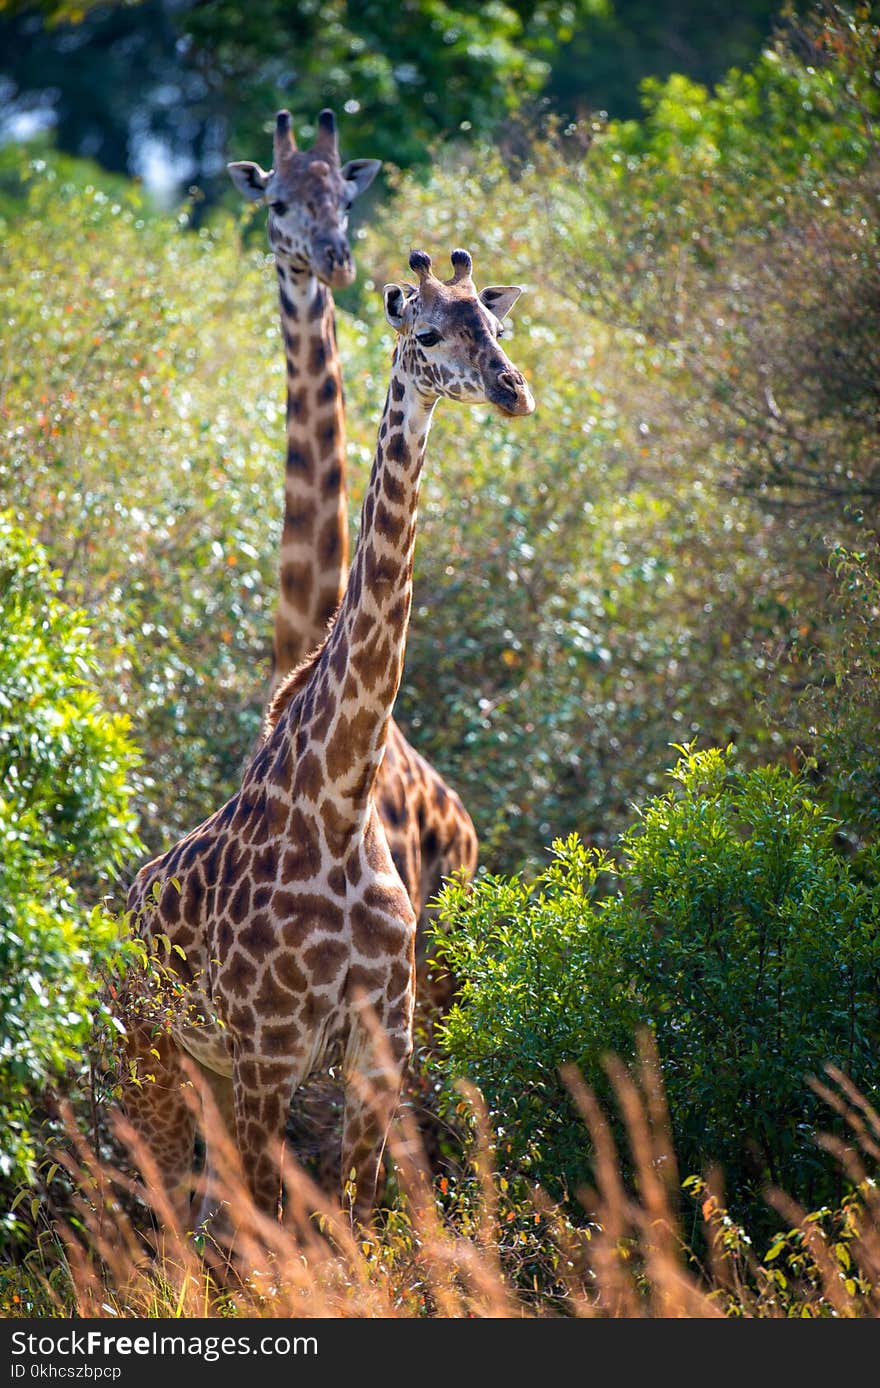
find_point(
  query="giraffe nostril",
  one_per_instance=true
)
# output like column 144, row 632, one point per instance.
column 511, row 380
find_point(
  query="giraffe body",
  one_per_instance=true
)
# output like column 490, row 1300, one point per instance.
column 293, row 919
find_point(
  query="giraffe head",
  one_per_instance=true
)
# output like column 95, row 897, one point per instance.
column 308, row 193
column 448, row 336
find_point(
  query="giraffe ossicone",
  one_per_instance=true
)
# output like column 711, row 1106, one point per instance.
column 286, row 903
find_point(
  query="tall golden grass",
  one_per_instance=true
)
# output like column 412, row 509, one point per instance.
column 124, row 1254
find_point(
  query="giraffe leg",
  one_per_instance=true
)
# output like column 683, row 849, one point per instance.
column 160, row 1112
column 374, row 1075
column 220, row 1089
column 262, row 1092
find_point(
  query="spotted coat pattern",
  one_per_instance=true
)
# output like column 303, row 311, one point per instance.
column 286, row 904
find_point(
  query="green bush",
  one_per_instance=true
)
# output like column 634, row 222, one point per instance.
column 142, row 445
column 737, row 933
column 65, row 829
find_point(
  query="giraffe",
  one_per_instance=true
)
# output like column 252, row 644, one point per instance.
column 291, row 922
column 308, row 194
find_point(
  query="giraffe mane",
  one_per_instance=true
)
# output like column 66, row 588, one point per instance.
column 293, row 684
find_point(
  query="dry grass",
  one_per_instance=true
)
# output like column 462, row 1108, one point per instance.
column 486, row 1255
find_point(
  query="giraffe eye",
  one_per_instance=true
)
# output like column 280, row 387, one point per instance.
column 279, row 208
column 429, row 338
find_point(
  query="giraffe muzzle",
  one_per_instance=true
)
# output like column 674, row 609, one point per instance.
column 511, row 394
column 334, row 263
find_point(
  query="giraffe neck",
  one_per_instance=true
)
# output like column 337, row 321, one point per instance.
column 343, row 724
column 314, row 537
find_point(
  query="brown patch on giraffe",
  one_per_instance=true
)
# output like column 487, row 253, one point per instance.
column 327, row 604
column 297, row 581
column 393, row 807
column 317, row 356
column 277, row 810
column 325, row 959
column 379, row 570
column 282, row 766
column 278, row 1040
column 287, row 649
column 392, row 900
column 336, row 881
column 327, row 434
column 302, row 913
column 265, row 863
column 363, row 628
column 396, row 448
column 398, row 980
column 240, row 1018
column 300, row 461
column 289, row 973
column 388, row 523
column 326, row 703
column 258, row 936
column 329, row 542
column 337, row 828
column 191, row 899
column 271, row 999
column 238, row 974
column 302, row 861
column 316, row 1006
column 361, row 979
column 399, row 1044
column 337, row 660
column 309, row 778
column 349, row 742
column 358, row 789
column 372, row 934
column 240, row 902
column 351, row 689
column 300, row 516
column 169, row 903
column 399, row 611
column 262, row 896
column 331, row 480
column 298, row 404
column 392, row 487
column 374, row 843
column 371, row 662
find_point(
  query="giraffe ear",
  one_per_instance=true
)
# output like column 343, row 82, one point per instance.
column 500, row 298
column 359, row 174
column 395, row 297
column 249, row 179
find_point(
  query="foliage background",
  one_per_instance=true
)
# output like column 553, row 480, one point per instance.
column 679, row 546
column 66, row 826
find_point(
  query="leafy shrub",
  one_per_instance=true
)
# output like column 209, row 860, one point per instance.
column 135, row 441
column 842, row 702
column 638, row 565
column 65, row 829
column 736, row 932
